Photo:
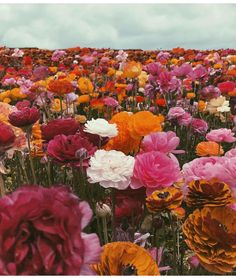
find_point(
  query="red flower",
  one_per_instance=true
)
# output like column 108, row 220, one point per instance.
column 59, row 126
column 25, row 117
column 226, row 86
column 7, row 135
column 22, row 104
column 71, row 149
column 41, row 233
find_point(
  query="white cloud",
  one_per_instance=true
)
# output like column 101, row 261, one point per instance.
column 149, row 26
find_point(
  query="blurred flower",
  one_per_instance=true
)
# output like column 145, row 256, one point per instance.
column 175, row 112
column 55, row 127
column 209, row 148
column 101, row 127
column 130, row 259
column 221, row 135
column 226, row 87
column 210, row 234
column 110, row 101
column 37, row 243
column 152, row 170
column 164, row 199
column 132, row 69
column 7, row 136
column 73, row 150
column 17, row 53
column 60, row 87
column 208, row 193
column 199, row 125
column 85, row 85
column 216, row 105
column 210, row 92
column 57, row 55
column 24, row 117
column 110, row 169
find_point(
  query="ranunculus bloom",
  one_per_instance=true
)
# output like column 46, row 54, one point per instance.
column 73, row 150
column 57, row 55
column 111, row 169
column 41, row 233
column 125, row 258
column 199, row 125
column 210, row 92
column 221, row 135
column 132, row 69
column 24, row 117
column 164, row 199
column 226, row 86
column 152, row 170
column 110, row 101
column 85, row 85
column 60, row 87
column 208, row 193
column 101, row 127
column 143, row 123
column 165, row 142
column 175, row 112
column 216, row 105
column 55, row 127
column 231, row 153
column 210, row 234
column 7, row 135
column 185, row 119
column 22, row 104
column 209, row 148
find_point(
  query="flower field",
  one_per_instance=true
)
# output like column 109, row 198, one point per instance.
column 117, row 162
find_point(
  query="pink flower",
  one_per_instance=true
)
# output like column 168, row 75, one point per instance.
column 41, row 233
column 152, row 170
column 175, row 112
column 57, row 55
column 193, row 261
column 231, row 153
column 110, row 101
column 199, row 125
column 9, row 81
column 182, row 70
column 185, row 119
column 210, row 92
column 165, row 142
column 221, row 135
column 157, row 256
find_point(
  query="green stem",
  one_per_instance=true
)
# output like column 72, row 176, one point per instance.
column 28, row 134
column 104, row 224
column 175, row 258
column 61, row 107
column 113, row 196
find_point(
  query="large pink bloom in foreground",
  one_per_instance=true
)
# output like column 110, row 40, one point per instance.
column 41, row 233
column 155, row 170
column 165, row 142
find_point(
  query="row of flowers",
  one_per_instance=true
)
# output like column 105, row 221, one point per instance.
column 117, row 162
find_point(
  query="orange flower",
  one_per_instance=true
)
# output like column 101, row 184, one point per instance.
column 201, row 105
column 164, row 199
column 143, row 123
column 132, row 69
column 161, row 102
column 209, row 148
column 37, row 148
column 85, row 85
column 211, row 234
column 83, row 99
column 190, row 95
column 125, row 258
column 60, row 87
column 97, row 103
column 36, row 131
column 123, row 141
column 208, row 193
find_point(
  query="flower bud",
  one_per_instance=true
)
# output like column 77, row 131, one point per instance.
column 102, row 210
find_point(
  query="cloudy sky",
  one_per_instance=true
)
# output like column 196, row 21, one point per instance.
column 145, row 26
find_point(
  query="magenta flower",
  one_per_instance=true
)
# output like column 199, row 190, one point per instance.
column 221, row 135
column 183, row 70
column 110, row 101
column 199, row 125
column 165, row 142
column 41, row 233
column 175, row 112
column 152, row 170
column 72, row 150
column 210, row 92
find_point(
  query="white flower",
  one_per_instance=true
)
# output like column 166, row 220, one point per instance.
column 101, row 127
column 17, row 53
column 224, row 108
column 111, row 169
column 217, row 105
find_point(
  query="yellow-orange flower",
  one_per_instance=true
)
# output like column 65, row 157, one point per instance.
column 201, row 105
column 164, row 199
column 36, row 131
column 132, row 69
column 190, row 95
column 85, row 85
column 211, row 234
column 123, row 141
column 125, row 258
column 56, row 106
column 209, row 148
column 83, row 99
column 143, row 123
column 208, row 193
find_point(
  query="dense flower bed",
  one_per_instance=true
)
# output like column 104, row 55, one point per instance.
column 117, row 162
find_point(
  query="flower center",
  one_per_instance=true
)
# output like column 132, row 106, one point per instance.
column 163, row 195
column 129, row 270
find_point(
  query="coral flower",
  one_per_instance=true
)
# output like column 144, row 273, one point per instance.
column 125, row 258
column 143, row 123
column 41, row 233
column 60, row 87
column 152, row 170
column 208, row 193
column 209, row 148
column 164, row 199
column 211, row 234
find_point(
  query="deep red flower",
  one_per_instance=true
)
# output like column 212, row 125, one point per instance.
column 41, row 233
column 24, row 117
column 71, row 150
column 22, row 104
column 7, row 135
column 55, row 127
column 226, row 86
